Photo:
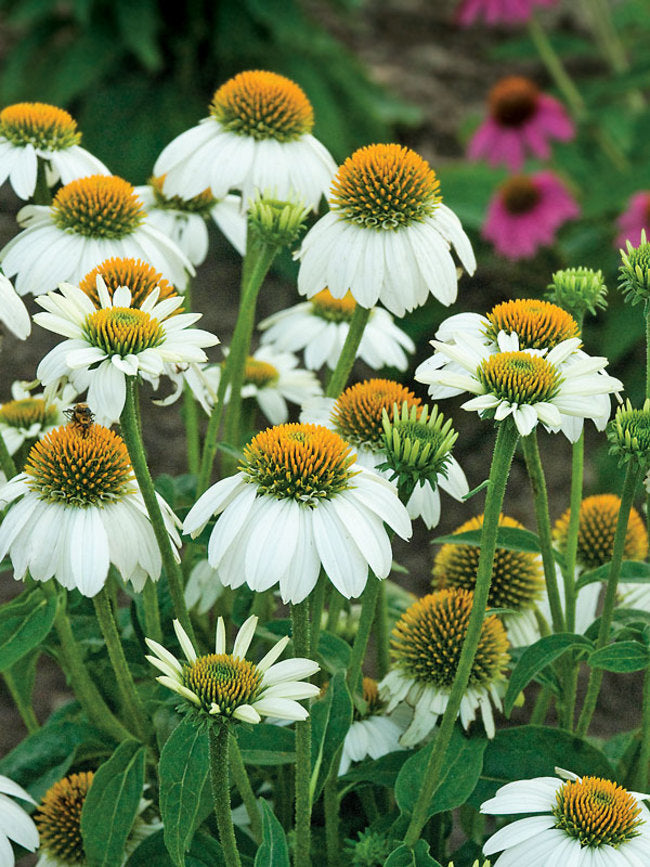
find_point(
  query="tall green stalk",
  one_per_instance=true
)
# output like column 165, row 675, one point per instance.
column 240, row 778
column 219, row 741
column 25, row 709
column 133, row 438
column 7, row 464
column 344, row 365
column 504, row 450
column 364, row 627
column 644, row 753
column 632, row 477
column 301, row 645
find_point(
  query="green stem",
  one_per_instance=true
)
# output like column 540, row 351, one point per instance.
column 348, row 354
column 42, row 193
column 556, row 69
column 132, row 701
column 360, row 644
column 540, row 499
column 191, row 418
column 504, row 450
column 7, row 464
column 97, row 711
column 644, row 754
column 331, row 808
column 577, row 472
column 152, row 625
column 610, row 45
column 596, row 675
column 336, row 603
column 219, row 741
column 25, row 709
column 212, row 432
column 542, row 705
column 382, row 635
column 133, row 439
column 317, row 604
column 301, row 645
column 241, row 780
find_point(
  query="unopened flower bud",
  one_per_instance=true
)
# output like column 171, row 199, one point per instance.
column 629, row 434
column 578, row 290
column 275, row 222
column 634, row 272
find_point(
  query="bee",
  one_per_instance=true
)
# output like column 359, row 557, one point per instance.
column 81, row 418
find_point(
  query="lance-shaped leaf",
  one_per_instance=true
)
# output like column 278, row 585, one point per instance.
column 331, row 717
column 24, row 624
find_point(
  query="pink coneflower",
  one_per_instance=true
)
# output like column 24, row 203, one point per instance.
column 632, row 221
column 526, row 212
column 498, row 11
column 521, row 119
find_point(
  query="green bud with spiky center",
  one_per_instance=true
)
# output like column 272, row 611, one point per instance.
column 629, row 434
column 634, row 273
column 578, row 290
column 274, row 222
column 370, row 850
column 418, row 444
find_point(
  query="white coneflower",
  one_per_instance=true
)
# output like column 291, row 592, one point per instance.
column 228, row 685
column 426, row 645
column 184, row 220
column 13, row 313
column 106, row 345
column 300, row 503
column 15, row 823
column 387, row 237
column 532, row 385
column 76, row 509
column 28, row 415
column 29, row 130
column 372, row 733
column 90, row 220
column 320, row 326
column 582, row 821
column 257, row 137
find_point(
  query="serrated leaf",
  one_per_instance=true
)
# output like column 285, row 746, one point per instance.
column 273, row 848
column 537, row 657
column 111, row 805
column 24, row 624
column 331, row 717
column 623, row 656
column 183, row 772
column 462, row 767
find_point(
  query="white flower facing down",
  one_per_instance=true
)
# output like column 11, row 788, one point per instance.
column 117, row 340
column 15, row 823
column 33, row 130
column 299, row 503
column 374, row 735
column 29, row 415
column 90, row 220
column 581, row 821
column 530, row 385
column 388, row 237
column 76, row 509
column 13, row 313
column 184, row 221
column 320, row 327
column 258, row 137
column 228, row 685
column 426, row 644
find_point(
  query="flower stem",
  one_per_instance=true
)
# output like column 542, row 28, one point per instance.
column 596, row 675
column 540, row 499
column 331, row 808
column 191, row 418
column 644, row 754
column 219, row 740
column 542, row 705
column 132, row 701
column 577, row 471
column 7, row 464
column 301, row 645
column 97, row 711
column 364, row 627
column 382, row 638
column 133, row 439
column 152, row 625
column 25, row 709
column 556, row 69
column 504, row 450
column 334, row 608
column 317, row 605
column 348, row 354
column 241, row 780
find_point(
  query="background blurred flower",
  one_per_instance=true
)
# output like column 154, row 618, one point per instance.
column 525, row 214
column 498, row 11
column 634, row 220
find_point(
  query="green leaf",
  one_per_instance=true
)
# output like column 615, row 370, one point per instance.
column 633, row 571
column 331, row 717
column 24, row 624
column 382, row 771
column 462, row 767
column 204, row 852
column 183, row 773
column 510, row 538
column 273, row 848
column 333, row 652
column 111, row 805
column 536, row 657
column 266, row 745
column 623, row 656
column 535, row 751
column 418, row 856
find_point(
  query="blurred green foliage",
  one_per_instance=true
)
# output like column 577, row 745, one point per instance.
column 136, row 73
